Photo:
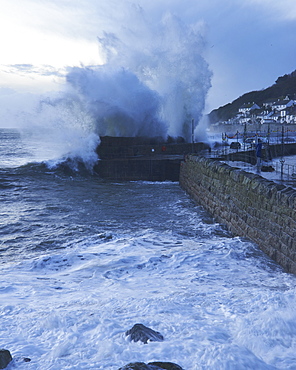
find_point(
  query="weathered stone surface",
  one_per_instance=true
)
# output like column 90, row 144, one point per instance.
column 135, row 366
column 248, row 204
column 5, row 358
column 166, row 365
column 140, row 332
column 151, row 366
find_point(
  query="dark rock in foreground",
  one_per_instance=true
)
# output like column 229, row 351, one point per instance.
column 140, row 332
column 135, row 366
column 165, row 365
column 5, row 358
column 151, row 366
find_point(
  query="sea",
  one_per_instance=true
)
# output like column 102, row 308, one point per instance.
column 83, row 259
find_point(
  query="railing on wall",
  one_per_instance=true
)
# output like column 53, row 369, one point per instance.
column 287, row 170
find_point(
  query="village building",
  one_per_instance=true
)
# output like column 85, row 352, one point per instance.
column 282, row 111
column 282, row 104
column 248, row 107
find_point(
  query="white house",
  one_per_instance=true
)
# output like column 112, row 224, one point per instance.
column 247, row 107
column 280, row 112
column 268, row 103
column 242, row 120
column 291, row 115
column 264, row 116
column 282, row 104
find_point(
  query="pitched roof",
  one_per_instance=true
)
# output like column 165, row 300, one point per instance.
column 247, row 105
column 281, row 102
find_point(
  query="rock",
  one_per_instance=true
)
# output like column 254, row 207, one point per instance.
column 140, row 332
column 166, row 365
column 135, row 366
column 151, row 366
column 5, row 358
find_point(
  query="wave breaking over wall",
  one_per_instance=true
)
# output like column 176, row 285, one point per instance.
column 153, row 81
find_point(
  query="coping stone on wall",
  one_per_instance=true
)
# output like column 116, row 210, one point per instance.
column 247, row 203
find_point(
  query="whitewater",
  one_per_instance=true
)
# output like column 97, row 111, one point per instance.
column 83, row 260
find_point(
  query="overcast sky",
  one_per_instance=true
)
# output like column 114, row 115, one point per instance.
column 249, row 43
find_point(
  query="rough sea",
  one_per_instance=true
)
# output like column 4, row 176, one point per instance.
column 82, row 260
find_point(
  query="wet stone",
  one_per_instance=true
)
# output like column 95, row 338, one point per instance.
column 151, row 366
column 165, row 365
column 140, row 332
column 5, row 358
column 135, row 366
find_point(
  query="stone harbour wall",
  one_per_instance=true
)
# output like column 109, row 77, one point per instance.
column 248, row 204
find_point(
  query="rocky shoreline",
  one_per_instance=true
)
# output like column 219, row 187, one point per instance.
column 138, row 332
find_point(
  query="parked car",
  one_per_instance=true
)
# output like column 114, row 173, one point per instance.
column 250, row 140
column 235, row 145
column 289, row 140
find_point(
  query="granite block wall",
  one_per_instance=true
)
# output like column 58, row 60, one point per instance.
column 248, row 204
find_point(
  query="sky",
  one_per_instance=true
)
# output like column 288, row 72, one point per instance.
column 248, row 43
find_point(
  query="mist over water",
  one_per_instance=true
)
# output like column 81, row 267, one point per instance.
column 54, row 129
column 153, row 81
column 119, row 103
column 82, row 259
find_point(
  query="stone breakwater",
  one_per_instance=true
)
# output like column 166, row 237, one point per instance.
column 249, row 205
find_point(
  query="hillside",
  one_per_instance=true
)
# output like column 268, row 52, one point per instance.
column 284, row 85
